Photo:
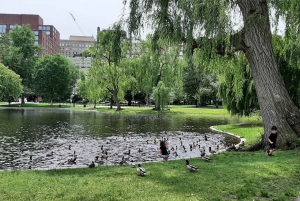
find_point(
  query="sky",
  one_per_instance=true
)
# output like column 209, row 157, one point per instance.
column 89, row 14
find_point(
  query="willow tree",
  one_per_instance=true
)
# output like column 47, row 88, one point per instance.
column 210, row 26
column 158, row 70
column 110, row 65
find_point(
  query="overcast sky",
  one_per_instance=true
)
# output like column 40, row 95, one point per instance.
column 89, row 14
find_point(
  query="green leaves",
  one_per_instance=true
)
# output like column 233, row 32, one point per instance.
column 54, row 76
column 10, row 83
column 19, row 53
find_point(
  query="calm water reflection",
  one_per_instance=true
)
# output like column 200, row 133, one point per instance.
column 37, row 132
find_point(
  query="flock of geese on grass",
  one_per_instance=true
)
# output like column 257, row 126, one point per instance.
column 129, row 158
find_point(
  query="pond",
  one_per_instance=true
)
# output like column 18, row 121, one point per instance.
column 34, row 138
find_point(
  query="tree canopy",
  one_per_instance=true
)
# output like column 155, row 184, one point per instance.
column 19, row 53
column 10, row 84
column 54, row 77
column 224, row 28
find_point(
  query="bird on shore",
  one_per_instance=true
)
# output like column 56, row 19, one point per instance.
column 132, row 164
column 206, row 158
column 141, row 171
column 191, row 168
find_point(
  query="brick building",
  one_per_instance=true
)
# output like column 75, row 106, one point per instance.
column 45, row 35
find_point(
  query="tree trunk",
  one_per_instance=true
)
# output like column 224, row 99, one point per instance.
column 275, row 103
column 157, row 103
column 111, row 102
column 51, row 102
column 95, row 103
column 23, row 99
column 116, row 99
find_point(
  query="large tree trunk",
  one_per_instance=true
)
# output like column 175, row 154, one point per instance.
column 116, row 99
column 275, row 103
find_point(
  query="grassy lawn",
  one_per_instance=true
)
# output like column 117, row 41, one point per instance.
column 230, row 176
column 251, row 133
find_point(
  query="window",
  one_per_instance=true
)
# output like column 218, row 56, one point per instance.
column 36, row 42
column 36, row 33
column 13, row 26
column 2, row 28
column 36, row 38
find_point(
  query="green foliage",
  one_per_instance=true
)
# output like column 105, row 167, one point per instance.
column 199, row 85
column 110, row 72
column 158, row 70
column 19, row 53
column 54, row 77
column 10, row 83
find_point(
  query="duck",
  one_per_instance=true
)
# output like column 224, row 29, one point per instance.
column 175, row 153
column 206, row 158
column 141, row 171
column 30, row 157
column 172, row 148
column 92, row 165
column 242, row 144
column 96, row 158
column 127, row 152
column 72, row 161
column 132, row 164
column 140, row 150
column 191, row 168
column 202, row 153
column 205, row 137
column 122, row 162
column 49, row 154
column 211, row 151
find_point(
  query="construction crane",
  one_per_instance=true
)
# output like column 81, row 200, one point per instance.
column 76, row 23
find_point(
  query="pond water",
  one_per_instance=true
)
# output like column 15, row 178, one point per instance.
column 47, row 138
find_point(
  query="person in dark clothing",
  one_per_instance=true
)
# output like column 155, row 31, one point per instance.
column 272, row 140
column 163, row 150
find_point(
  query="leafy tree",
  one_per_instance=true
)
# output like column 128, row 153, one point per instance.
column 198, row 85
column 53, row 77
column 158, row 71
column 210, row 27
column 10, row 84
column 110, row 68
column 19, row 53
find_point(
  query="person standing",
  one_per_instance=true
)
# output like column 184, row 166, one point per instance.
column 163, row 150
column 272, row 140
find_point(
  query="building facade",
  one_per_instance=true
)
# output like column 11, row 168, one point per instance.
column 73, row 49
column 45, row 35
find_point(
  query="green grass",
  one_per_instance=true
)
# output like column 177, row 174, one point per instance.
column 230, row 176
column 251, row 133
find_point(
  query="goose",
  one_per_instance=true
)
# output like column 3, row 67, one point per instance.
column 92, row 165
column 191, row 168
column 49, row 154
column 141, row 171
